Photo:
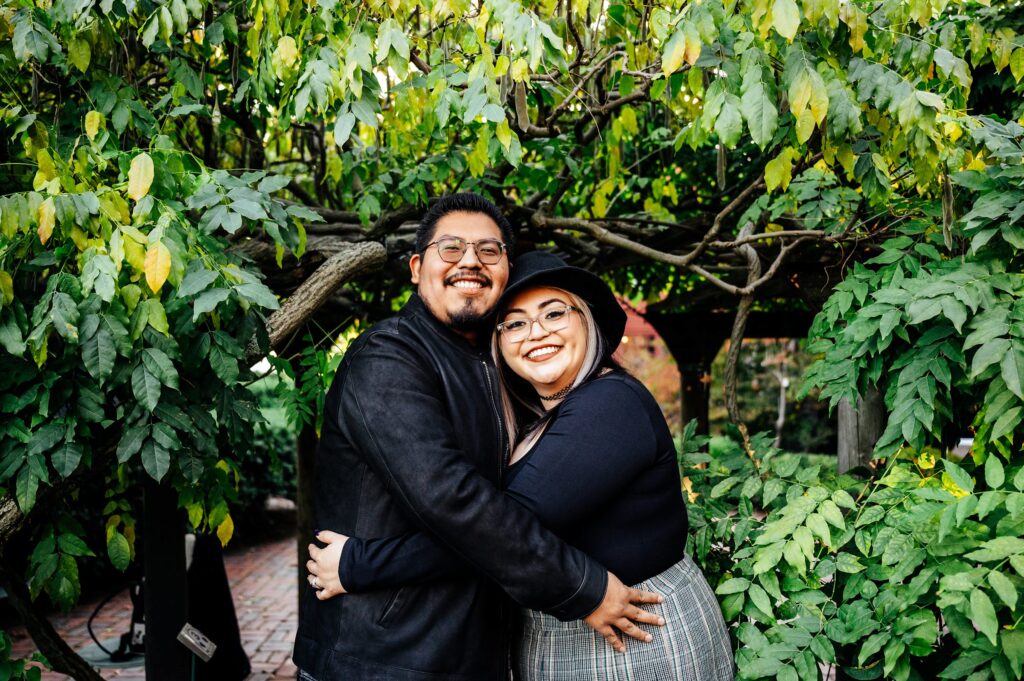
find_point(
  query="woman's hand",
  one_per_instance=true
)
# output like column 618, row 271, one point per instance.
column 617, row 610
column 323, row 565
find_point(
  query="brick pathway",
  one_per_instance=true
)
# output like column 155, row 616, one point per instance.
column 263, row 584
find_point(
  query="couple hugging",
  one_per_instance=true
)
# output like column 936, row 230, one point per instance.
column 490, row 481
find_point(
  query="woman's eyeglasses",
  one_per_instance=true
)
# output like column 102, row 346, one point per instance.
column 517, row 329
column 451, row 249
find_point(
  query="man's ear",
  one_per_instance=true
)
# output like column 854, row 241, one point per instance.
column 414, row 268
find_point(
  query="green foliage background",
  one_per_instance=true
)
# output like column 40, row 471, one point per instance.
column 149, row 148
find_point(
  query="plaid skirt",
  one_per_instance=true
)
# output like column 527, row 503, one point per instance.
column 692, row 646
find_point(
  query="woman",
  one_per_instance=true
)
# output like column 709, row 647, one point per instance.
column 595, row 461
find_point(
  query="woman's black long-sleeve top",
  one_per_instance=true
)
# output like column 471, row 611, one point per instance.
column 604, row 477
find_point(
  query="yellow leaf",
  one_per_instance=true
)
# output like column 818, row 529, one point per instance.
column 952, row 131
column 6, row 288
column 80, row 53
column 47, row 218
column 779, row 171
column 675, row 53
column 225, row 530
column 804, row 125
column 520, row 70
column 819, row 98
column 93, row 121
column 504, row 134
column 140, row 176
column 1017, row 64
column 158, row 266
column 857, row 21
column 800, row 92
column 976, row 164
column 501, row 66
column 786, row 18
column 952, row 487
column 693, row 43
column 284, row 57
column 846, row 158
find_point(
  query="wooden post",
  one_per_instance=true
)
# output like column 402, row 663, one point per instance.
column 859, row 429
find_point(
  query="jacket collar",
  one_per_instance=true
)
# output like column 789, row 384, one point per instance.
column 416, row 309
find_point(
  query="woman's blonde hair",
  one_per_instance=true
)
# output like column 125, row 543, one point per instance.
column 515, row 390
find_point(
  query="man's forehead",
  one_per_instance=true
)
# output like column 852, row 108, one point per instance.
column 465, row 225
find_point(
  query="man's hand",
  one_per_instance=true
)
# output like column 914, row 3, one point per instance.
column 617, row 610
column 323, row 565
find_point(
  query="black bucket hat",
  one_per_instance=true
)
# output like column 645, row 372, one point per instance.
column 538, row 268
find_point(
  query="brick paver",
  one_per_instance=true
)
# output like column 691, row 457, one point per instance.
column 263, row 585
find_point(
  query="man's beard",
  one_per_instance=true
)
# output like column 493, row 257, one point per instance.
column 466, row 319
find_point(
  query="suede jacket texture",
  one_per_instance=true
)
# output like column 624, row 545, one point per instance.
column 412, row 439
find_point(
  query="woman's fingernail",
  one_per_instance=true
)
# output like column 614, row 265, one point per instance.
column 661, row 621
column 648, row 638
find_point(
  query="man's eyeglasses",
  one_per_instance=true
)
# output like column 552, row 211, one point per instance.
column 451, row 249
column 517, row 329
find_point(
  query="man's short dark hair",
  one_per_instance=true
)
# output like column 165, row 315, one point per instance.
column 465, row 202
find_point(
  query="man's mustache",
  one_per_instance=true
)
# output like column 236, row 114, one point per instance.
column 470, row 275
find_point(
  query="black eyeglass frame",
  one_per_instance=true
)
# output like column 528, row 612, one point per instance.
column 465, row 246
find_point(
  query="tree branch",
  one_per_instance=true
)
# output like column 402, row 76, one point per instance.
column 297, row 309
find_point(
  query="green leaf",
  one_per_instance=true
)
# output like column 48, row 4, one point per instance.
column 146, row 387
column 155, row 459
column 759, row 597
column 759, row 109
column 1012, row 366
column 997, row 549
column 131, row 442
column 832, row 514
column 25, row 489
column 995, row 476
column 848, row 563
column 195, row 281
column 208, row 300
column 1012, row 644
column 99, row 353
column 818, row 526
column 1004, row 588
column 224, row 365
column 73, row 545
column 118, row 550
column 983, row 615
column 158, row 364
column 988, row 354
column 729, row 123
column 65, row 459
column 959, row 476
column 732, row 586
column 259, row 294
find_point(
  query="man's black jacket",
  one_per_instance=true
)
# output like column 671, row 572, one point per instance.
column 412, row 439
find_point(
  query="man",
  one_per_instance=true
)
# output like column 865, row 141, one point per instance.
column 412, row 439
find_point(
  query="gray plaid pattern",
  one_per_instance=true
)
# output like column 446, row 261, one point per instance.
column 692, row 646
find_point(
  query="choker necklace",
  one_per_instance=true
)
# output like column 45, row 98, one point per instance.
column 556, row 396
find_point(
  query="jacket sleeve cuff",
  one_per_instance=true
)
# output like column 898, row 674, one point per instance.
column 348, row 572
column 587, row 597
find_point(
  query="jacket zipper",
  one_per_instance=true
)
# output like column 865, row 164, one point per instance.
column 503, row 462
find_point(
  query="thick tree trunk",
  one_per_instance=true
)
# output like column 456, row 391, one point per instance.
column 58, row 653
column 859, row 430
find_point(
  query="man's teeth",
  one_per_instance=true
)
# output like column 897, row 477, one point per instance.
column 467, row 284
column 540, row 352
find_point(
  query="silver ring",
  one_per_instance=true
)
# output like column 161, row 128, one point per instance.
column 315, row 583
